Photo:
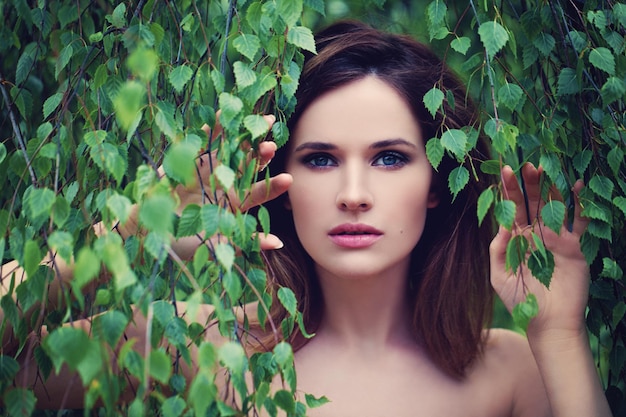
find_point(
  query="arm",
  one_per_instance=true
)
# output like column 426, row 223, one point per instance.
column 557, row 335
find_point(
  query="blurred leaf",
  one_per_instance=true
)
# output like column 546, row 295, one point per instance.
column 19, row 402
column 160, row 365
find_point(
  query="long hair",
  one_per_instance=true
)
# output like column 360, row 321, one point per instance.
column 448, row 285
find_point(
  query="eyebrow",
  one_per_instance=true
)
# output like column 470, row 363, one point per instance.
column 324, row 146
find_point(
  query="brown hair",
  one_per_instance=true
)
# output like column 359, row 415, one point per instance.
column 449, row 284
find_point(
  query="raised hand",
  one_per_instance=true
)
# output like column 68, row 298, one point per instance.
column 562, row 305
column 262, row 191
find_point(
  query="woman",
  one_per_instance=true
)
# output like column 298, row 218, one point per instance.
column 391, row 274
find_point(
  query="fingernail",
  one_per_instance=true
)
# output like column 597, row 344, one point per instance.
column 274, row 241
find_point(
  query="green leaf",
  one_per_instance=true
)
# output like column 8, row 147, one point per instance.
column 8, row 368
column 117, row 17
column 247, row 45
column 210, row 218
column 280, row 132
column 602, row 186
column 568, row 82
column 461, row 45
column 288, row 300
column 283, row 354
column 436, row 12
column 615, row 159
column 160, row 365
column 19, row 402
column 525, row 311
column 433, row 100
column 40, row 201
column 190, row 222
column 110, row 326
column 620, row 203
column 611, row 269
column 180, row 162
column 541, row 265
column 63, row 59
column 144, row 64
column 284, row 399
column 128, row 103
column 302, row 37
column 516, row 250
column 207, row 356
column 173, row 406
column 551, row 165
column 63, row 244
column 581, row 161
column 225, row 176
column 256, row 125
column 86, row 267
column 264, row 219
column 32, row 257
column 3, row 152
column 510, row 95
column 218, row 80
column 233, row 357
column 313, row 402
column 290, row 11
column 493, row 36
column 589, row 246
column 545, row 43
column 155, row 213
column 120, row 207
column 244, row 75
column 51, row 104
column 225, row 255
column 553, row 215
column 180, row 76
column 603, row 59
column 457, row 180
column 231, row 107
column 504, row 211
column 434, row 152
column 613, row 89
column 485, row 201
column 455, row 141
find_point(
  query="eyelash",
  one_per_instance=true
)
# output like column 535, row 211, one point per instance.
column 312, row 160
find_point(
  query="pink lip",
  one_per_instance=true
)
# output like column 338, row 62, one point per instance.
column 354, row 235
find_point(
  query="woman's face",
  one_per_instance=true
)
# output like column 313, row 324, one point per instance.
column 361, row 181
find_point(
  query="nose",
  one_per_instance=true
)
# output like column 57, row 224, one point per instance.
column 354, row 193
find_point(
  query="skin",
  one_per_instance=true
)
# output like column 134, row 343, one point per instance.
column 363, row 357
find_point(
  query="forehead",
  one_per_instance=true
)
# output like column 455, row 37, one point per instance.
column 362, row 111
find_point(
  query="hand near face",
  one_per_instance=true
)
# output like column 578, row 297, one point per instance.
column 199, row 191
column 562, row 306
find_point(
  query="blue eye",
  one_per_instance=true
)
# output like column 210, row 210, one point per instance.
column 319, row 160
column 390, row 159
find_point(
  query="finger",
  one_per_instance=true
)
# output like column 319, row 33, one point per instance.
column 497, row 249
column 580, row 223
column 532, row 189
column 265, row 153
column 270, row 242
column 262, row 192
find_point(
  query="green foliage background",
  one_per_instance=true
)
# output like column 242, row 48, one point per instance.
column 96, row 95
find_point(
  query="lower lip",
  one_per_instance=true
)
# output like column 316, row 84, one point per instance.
column 354, row 241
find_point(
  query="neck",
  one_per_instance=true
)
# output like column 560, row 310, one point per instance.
column 366, row 313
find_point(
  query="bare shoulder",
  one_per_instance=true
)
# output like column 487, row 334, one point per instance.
column 508, row 355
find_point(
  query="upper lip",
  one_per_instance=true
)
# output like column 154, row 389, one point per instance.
column 354, row 229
